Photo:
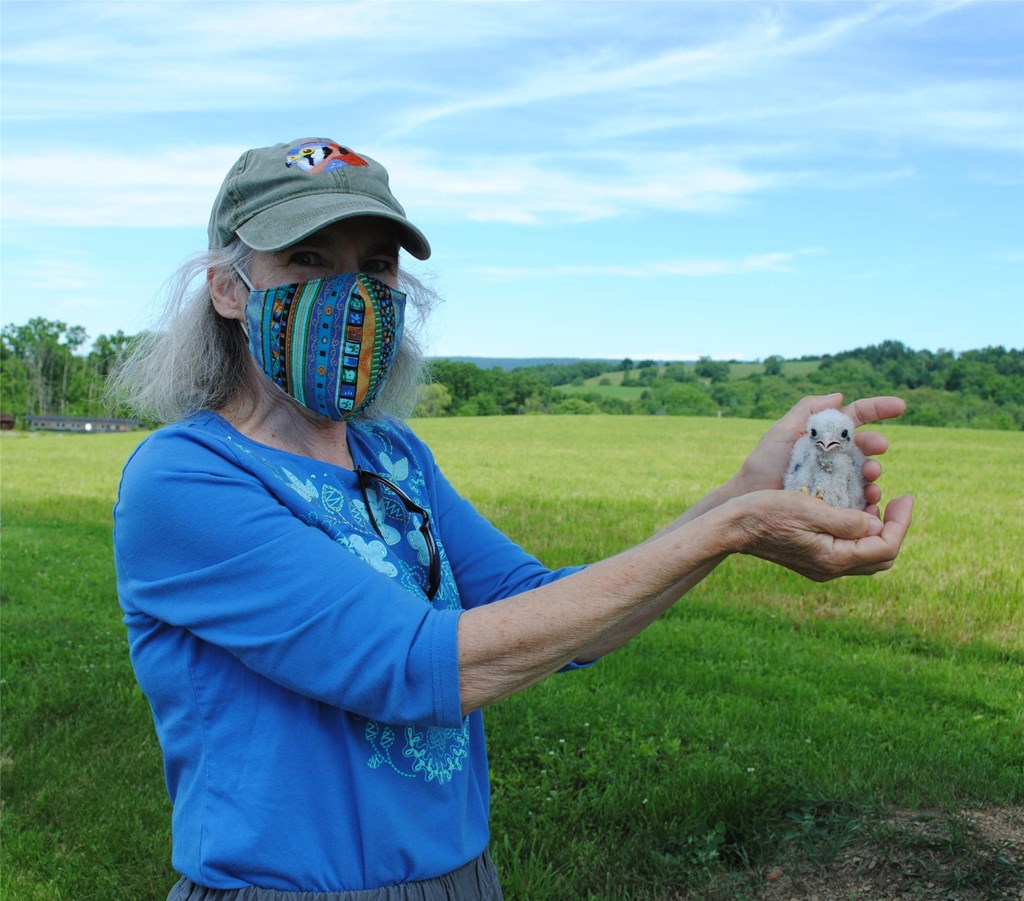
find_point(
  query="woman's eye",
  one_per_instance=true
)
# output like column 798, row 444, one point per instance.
column 378, row 266
column 305, row 258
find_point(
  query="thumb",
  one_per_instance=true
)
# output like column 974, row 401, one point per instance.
column 852, row 524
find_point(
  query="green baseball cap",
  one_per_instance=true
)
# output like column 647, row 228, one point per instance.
column 276, row 196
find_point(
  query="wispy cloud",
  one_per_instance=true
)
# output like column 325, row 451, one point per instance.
column 189, row 56
column 542, row 188
column 131, row 188
column 606, row 72
column 695, row 268
column 682, row 69
column 136, row 187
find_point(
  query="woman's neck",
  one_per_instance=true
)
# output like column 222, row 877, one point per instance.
column 270, row 417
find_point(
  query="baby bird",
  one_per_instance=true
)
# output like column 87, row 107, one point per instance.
column 826, row 462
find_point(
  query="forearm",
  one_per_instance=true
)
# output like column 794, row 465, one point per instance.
column 509, row 645
column 632, row 626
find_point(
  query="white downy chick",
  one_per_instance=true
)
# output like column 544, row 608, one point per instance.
column 826, row 462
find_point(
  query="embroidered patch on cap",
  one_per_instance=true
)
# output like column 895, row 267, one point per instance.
column 315, row 157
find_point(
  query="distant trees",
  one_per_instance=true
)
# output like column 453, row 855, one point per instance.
column 980, row 388
column 715, row 370
column 43, row 370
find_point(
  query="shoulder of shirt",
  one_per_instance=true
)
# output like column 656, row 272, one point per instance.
column 203, row 432
column 206, row 433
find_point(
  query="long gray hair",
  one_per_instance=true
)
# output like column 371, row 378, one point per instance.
column 195, row 359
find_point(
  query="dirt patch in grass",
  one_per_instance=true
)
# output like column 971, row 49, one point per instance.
column 970, row 855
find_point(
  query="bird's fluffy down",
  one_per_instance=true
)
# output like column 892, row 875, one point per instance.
column 827, row 463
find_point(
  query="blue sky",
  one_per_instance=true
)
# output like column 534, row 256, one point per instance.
column 654, row 180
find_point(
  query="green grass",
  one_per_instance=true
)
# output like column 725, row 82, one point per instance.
column 763, row 715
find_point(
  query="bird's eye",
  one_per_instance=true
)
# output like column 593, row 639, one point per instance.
column 846, row 434
column 814, row 433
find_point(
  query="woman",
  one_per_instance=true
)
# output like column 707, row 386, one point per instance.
column 315, row 614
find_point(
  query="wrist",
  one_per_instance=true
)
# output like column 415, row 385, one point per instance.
column 737, row 486
column 741, row 524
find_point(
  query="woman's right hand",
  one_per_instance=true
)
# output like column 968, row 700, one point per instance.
column 818, row 541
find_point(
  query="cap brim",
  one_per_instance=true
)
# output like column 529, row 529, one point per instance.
column 292, row 220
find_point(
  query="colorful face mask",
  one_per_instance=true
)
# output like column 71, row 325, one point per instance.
column 328, row 343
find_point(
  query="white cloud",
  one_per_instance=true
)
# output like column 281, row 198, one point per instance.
column 694, row 268
column 127, row 188
column 175, row 187
column 530, row 189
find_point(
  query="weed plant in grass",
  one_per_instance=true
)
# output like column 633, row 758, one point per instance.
column 763, row 714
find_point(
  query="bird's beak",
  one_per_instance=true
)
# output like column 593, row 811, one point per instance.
column 831, row 446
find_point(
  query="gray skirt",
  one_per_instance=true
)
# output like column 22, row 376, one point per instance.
column 475, row 881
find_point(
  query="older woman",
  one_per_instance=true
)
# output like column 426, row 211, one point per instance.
column 315, row 614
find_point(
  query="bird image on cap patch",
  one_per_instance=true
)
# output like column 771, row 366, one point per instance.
column 314, row 157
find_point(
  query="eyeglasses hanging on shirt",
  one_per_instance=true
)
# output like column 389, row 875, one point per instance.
column 387, row 494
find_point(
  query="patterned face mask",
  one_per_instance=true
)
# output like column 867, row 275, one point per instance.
column 328, row 343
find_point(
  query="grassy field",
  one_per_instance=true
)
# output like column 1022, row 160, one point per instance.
column 765, row 718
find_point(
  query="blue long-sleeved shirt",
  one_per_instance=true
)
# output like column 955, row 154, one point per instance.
column 304, row 691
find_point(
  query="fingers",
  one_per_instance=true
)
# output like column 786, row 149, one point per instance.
column 872, row 443
column 872, row 497
column 878, row 552
column 862, row 411
column 872, row 470
column 841, row 542
column 899, row 514
column 807, row 513
column 798, row 413
column 815, row 404
column 874, row 409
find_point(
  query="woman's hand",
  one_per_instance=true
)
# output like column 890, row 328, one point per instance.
column 766, row 465
column 818, row 541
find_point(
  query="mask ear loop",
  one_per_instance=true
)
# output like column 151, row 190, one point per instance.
column 244, row 278
column 249, row 285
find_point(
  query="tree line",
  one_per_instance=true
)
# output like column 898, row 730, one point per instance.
column 977, row 388
column 44, row 371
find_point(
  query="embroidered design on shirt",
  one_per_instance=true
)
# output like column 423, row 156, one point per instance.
column 333, row 499
column 397, row 471
column 436, row 754
column 373, row 552
column 306, row 489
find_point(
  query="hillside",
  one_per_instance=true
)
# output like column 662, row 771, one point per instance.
column 977, row 389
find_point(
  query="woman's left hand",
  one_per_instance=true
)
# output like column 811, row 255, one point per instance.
column 766, row 465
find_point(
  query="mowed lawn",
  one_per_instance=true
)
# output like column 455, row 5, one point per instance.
column 765, row 715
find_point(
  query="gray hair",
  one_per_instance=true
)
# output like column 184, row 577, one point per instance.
column 195, row 359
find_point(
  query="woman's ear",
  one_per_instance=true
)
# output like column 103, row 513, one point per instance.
column 227, row 292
